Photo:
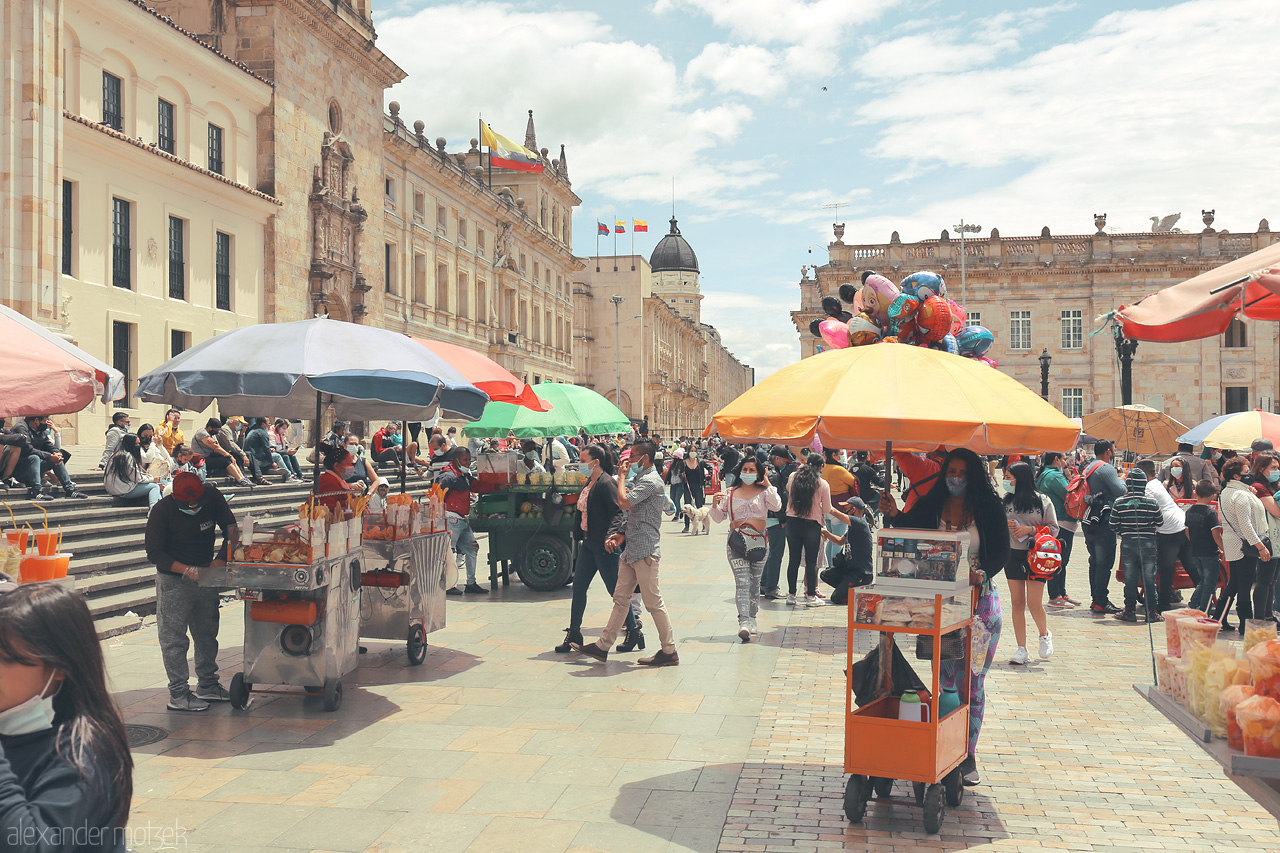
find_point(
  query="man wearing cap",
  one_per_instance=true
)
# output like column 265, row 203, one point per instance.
column 456, row 479
column 859, row 566
column 783, row 465
column 182, row 532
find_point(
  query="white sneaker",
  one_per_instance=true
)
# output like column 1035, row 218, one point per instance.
column 813, row 601
column 744, row 630
column 1046, row 646
column 1020, row 656
column 752, row 627
column 791, row 598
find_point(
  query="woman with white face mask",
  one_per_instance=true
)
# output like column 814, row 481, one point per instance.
column 1179, row 482
column 747, row 507
column 65, row 767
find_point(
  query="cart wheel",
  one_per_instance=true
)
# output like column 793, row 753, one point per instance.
column 918, row 789
column 332, row 694
column 417, row 644
column 954, row 783
column 239, row 692
column 545, row 564
column 882, row 786
column 855, row 798
column 934, row 808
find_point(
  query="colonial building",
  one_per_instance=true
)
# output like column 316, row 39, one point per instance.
column 131, row 221
column 641, row 342
column 1048, row 294
column 481, row 266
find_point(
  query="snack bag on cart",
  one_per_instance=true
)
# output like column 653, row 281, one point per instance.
column 1231, row 698
column 1264, row 664
column 1259, row 718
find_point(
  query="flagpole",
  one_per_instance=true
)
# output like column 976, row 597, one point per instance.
column 615, row 242
column 633, row 243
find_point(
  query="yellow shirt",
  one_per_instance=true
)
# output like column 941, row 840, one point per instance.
column 842, row 483
column 170, row 436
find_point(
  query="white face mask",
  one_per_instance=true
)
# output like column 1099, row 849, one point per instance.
column 33, row 715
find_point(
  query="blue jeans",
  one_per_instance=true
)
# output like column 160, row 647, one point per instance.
column 288, row 463
column 1210, row 569
column 1101, row 543
column 1138, row 558
column 464, row 545
column 151, row 491
column 593, row 559
column 773, row 566
column 678, row 494
column 31, row 469
column 838, row 528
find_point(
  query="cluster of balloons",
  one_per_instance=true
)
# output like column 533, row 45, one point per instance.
column 914, row 311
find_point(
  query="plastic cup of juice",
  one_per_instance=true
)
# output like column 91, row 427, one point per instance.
column 47, row 544
column 62, row 563
column 18, row 538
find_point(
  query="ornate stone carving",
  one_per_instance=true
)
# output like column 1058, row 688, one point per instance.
column 1236, row 373
column 1206, row 216
column 1161, row 225
column 1100, row 222
column 337, row 220
column 838, row 229
column 1264, row 227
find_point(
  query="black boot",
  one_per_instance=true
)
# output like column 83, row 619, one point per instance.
column 571, row 635
column 634, row 639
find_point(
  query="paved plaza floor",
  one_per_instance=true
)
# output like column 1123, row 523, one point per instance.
column 497, row 743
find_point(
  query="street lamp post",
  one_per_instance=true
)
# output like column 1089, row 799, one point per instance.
column 965, row 229
column 1045, row 361
column 617, row 349
column 1125, row 349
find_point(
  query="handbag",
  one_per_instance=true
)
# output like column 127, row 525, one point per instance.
column 752, row 551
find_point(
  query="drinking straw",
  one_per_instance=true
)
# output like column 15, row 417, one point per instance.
column 12, row 520
column 46, row 516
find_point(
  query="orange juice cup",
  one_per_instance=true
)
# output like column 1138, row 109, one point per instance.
column 36, row 568
column 47, row 543
column 61, row 565
column 18, row 538
column 1195, row 631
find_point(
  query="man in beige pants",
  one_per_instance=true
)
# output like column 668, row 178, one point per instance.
column 643, row 500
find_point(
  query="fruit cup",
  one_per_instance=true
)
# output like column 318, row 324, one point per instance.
column 1232, row 697
column 1197, row 631
column 18, row 538
column 1264, row 664
column 1173, row 641
column 1259, row 719
column 1258, row 631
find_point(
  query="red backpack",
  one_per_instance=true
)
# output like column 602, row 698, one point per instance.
column 1077, row 501
column 1044, row 557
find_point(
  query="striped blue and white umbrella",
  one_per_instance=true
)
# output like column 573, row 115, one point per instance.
column 290, row 370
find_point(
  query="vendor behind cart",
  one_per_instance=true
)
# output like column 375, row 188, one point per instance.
column 456, row 478
column 180, row 538
column 333, row 489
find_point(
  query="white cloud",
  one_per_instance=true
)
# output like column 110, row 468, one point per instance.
column 810, row 22
column 756, row 329
column 744, row 69
column 1141, row 115
column 629, row 121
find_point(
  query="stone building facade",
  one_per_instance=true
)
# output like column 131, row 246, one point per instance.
column 486, row 267
column 1049, row 293
column 650, row 353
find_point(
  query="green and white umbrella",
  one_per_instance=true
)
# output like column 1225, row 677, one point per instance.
column 573, row 407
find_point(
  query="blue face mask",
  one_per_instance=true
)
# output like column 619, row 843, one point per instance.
column 585, row 468
column 34, row 715
column 1273, row 476
column 957, row 486
column 748, row 478
column 189, row 510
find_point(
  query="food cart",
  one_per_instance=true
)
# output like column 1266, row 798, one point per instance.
column 529, row 519
column 402, row 587
column 301, row 592
column 916, row 594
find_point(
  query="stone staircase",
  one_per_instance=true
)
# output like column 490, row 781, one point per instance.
column 110, row 564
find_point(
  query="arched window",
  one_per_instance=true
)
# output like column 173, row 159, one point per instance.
column 1237, row 335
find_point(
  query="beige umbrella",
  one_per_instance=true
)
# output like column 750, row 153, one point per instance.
column 1136, row 429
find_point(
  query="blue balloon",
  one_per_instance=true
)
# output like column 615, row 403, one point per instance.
column 974, row 341
column 922, row 285
column 951, row 345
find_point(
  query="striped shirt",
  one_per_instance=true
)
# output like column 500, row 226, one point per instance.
column 644, row 518
column 1135, row 514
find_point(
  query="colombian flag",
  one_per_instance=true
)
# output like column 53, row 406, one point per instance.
column 639, row 226
column 505, row 154
column 601, row 228
column 619, row 227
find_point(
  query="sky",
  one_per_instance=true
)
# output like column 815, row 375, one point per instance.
column 911, row 114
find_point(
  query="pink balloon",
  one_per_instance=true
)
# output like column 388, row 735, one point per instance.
column 834, row 332
column 958, row 316
column 989, row 362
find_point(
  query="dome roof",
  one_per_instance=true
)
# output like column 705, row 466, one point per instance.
column 673, row 252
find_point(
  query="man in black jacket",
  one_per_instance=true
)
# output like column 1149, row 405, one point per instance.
column 783, row 465
column 182, row 531
column 40, row 454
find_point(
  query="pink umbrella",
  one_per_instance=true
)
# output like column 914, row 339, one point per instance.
column 42, row 374
column 500, row 384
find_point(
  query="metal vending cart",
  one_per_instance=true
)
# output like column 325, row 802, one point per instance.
column 402, row 595
column 879, row 745
column 301, row 619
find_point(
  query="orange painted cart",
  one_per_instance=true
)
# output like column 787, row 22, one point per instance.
column 879, row 747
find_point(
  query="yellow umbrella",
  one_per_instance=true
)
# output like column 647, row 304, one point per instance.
column 1137, row 429
column 862, row 398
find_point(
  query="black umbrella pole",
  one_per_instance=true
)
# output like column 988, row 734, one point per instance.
column 404, row 456
column 315, row 470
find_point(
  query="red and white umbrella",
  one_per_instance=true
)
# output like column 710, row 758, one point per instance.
column 42, row 374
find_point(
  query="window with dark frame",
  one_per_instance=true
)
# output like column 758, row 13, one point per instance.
column 112, row 103
column 388, row 270
column 67, row 232
column 177, row 259
column 1237, row 335
column 222, row 271
column 122, row 354
column 1236, row 399
column 121, row 259
column 179, row 342
column 165, row 139
column 215, row 149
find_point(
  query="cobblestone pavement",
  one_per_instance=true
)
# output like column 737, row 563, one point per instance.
column 497, row 743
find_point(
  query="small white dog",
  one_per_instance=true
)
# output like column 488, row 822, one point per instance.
column 698, row 516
